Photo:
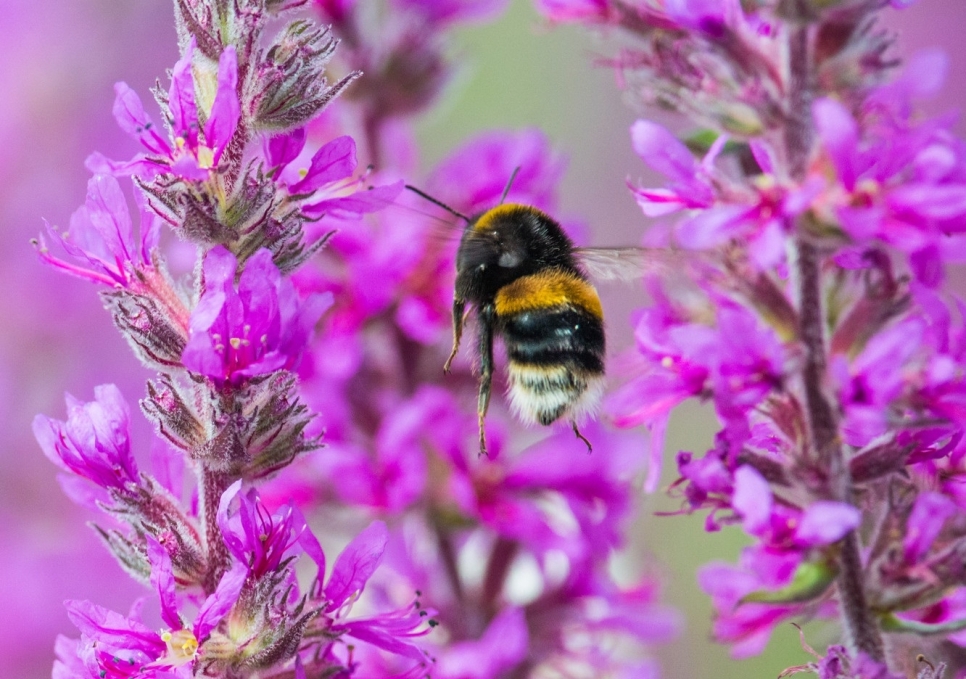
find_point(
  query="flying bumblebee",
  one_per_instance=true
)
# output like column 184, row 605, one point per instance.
column 528, row 283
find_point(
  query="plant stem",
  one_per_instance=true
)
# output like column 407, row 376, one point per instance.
column 213, row 485
column 859, row 623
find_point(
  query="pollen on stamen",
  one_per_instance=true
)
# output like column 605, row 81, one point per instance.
column 182, row 645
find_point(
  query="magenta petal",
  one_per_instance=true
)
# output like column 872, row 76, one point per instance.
column 573, row 10
column 310, row 544
column 334, row 161
column 226, row 110
column 764, row 155
column 840, row 135
column 356, row 564
column 282, row 149
column 221, row 601
column 108, row 213
column 502, row 647
column 102, row 624
column 825, row 522
column 181, row 99
column 752, row 499
column 187, row 167
column 131, row 117
column 655, row 456
column 943, row 201
column 162, row 580
column 662, row 151
column 925, row 523
column 149, row 230
column 711, row 227
column 359, row 203
column 234, row 542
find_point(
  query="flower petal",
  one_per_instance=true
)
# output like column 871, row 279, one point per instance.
column 226, row 110
column 356, row 564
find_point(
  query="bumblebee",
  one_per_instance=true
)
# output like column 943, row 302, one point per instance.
column 516, row 267
column 528, row 284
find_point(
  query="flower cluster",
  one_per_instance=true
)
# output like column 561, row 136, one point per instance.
column 225, row 346
column 471, row 567
column 817, row 212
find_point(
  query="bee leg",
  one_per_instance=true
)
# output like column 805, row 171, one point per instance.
column 458, row 318
column 590, row 448
column 486, row 370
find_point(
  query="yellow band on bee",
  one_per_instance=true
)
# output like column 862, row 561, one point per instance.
column 486, row 220
column 547, row 289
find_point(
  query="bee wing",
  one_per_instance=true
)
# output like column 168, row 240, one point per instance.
column 629, row 263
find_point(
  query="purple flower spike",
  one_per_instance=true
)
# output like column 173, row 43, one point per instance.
column 102, row 239
column 255, row 330
column 94, row 442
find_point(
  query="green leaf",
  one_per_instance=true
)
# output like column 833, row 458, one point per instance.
column 811, row 579
column 891, row 623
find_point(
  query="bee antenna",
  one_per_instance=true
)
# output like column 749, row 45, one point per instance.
column 440, row 203
column 509, row 184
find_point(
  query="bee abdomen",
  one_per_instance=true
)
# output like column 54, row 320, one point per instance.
column 546, row 393
column 552, row 326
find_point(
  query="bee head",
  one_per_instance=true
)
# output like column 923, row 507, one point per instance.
column 504, row 243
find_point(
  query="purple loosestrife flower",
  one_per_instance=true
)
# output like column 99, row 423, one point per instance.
column 259, row 328
column 717, row 207
column 260, row 539
column 94, row 443
column 188, row 151
column 901, row 184
column 101, row 237
column 327, row 187
column 116, row 646
column 738, row 363
column 272, row 617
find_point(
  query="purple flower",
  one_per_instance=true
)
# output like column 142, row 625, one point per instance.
column 439, row 13
column 101, row 237
column 256, row 329
column 501, row 648
column 261, row 540
column 355, row 565
column 902, row 186
column 473, row 177
column 717, row 209
column 182, row 647
column 188, row 152
column 738, row 363
column 747, row 627
column 573, row 10
column 925, row 523
column 94, row 442
column 327, row 186
column 690, row 182
column 116, row 646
